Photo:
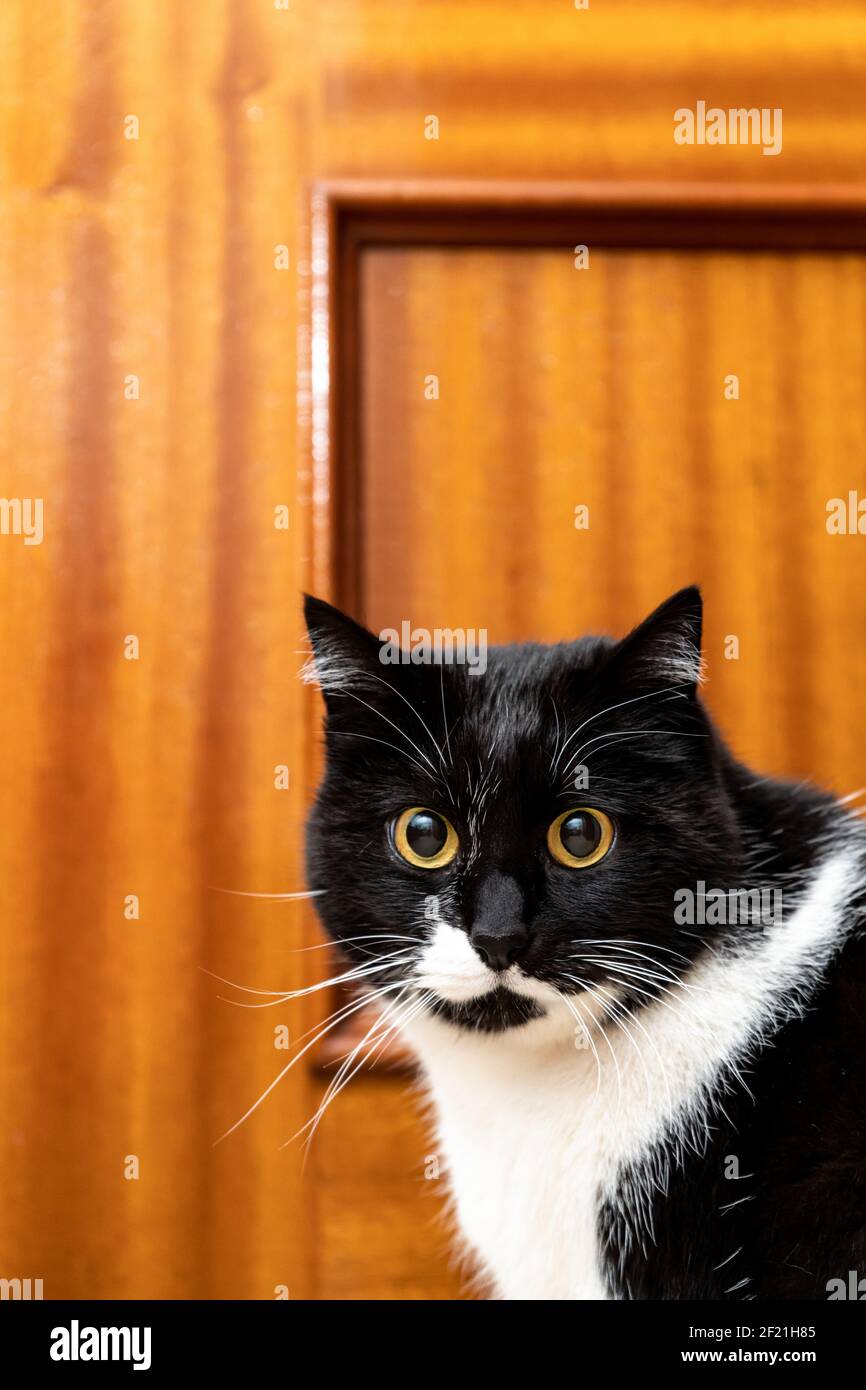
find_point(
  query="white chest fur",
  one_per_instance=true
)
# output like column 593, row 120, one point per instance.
column 536, row 1128
column 517, row 1125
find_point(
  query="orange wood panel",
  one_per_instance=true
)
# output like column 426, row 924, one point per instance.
column 606, row 387
column 534, row 89
column 151, row 258
column 383, row 1231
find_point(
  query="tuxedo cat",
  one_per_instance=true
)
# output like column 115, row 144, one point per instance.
column 633, row 972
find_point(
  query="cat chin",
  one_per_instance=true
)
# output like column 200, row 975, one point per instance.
column 498, row 1011
column 528, row 1008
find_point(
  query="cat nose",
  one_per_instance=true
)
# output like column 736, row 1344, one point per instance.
column 500, row 948
column 497, row 931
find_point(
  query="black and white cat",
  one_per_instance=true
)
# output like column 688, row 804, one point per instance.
column 537, row 871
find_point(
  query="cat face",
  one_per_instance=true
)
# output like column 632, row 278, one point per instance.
column 486, row 843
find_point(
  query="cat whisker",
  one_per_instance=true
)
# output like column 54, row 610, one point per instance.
column 335, row 1084
column 444, row 716
column 613, row 1007
column 373, row 955
column 586, row 1031
column 660, row 969
column 389, row 1024
column 609, row 710
column 359, row 1056
column 350, row 695
column 693, row 1021
column 342, row 1011
column 654, row 995
column 628, row 733
column 274, row 897
column 626, row 941
column 332, row 1023
column 639, row 973
column 663, row 1073
column 425, row 726
column 552, row 763
column 603, row 1034
column 346, row 940
column 427, row 771
column 358, row 972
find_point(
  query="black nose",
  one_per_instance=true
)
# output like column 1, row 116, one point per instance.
column 498, row 932
column 500, row 948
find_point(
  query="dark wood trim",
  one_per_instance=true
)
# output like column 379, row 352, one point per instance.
column 550, row 194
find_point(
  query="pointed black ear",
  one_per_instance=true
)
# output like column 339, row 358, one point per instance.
column 665, row 649
column 345, row 655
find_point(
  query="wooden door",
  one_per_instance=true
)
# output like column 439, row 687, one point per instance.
column 223, row 317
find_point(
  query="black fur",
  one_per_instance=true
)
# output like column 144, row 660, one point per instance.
column 684, row 811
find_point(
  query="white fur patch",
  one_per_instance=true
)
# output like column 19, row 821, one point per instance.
column 451, row 967
column 328, row 667
column 536, row 1134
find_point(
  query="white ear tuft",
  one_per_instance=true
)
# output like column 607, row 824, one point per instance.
column 665, row 649
column 677, row 661
column 328, row 667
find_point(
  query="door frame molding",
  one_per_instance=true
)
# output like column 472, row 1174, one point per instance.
column 349, row 215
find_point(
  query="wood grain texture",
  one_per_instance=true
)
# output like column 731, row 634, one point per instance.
column 606, row 387
column 152, row 777
column 155, row 258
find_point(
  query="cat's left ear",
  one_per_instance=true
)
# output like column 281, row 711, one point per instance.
column 665, row 649
column 345, row 655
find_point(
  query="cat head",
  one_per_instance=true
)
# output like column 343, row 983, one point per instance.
column 487, row 841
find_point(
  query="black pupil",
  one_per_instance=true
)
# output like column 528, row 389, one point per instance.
column 580, row 835
column 426, row 834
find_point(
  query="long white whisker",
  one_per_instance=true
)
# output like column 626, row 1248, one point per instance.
column 349, row 694
column 444, row 716
column 626, row 941
column 627, row 733
column 615, row 1009
column 603, row 1033
column 425, row 726
column 664, row 1076
column 552, row 763
column 586, row 1030
column 660, row 970
column 274, row 897
column 342, row 941
column 358, row 972
column 360, row 1004
column 647, row 975
column 427, row 771
column 696, row 1023
column 609, row 710
column 347, row 1070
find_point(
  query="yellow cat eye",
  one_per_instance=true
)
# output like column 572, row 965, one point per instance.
column 580, row 837
column 424, row 838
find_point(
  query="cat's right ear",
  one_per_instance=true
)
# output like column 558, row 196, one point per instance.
column 344, row 656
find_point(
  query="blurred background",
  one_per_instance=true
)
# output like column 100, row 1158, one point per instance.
column 289, row 299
